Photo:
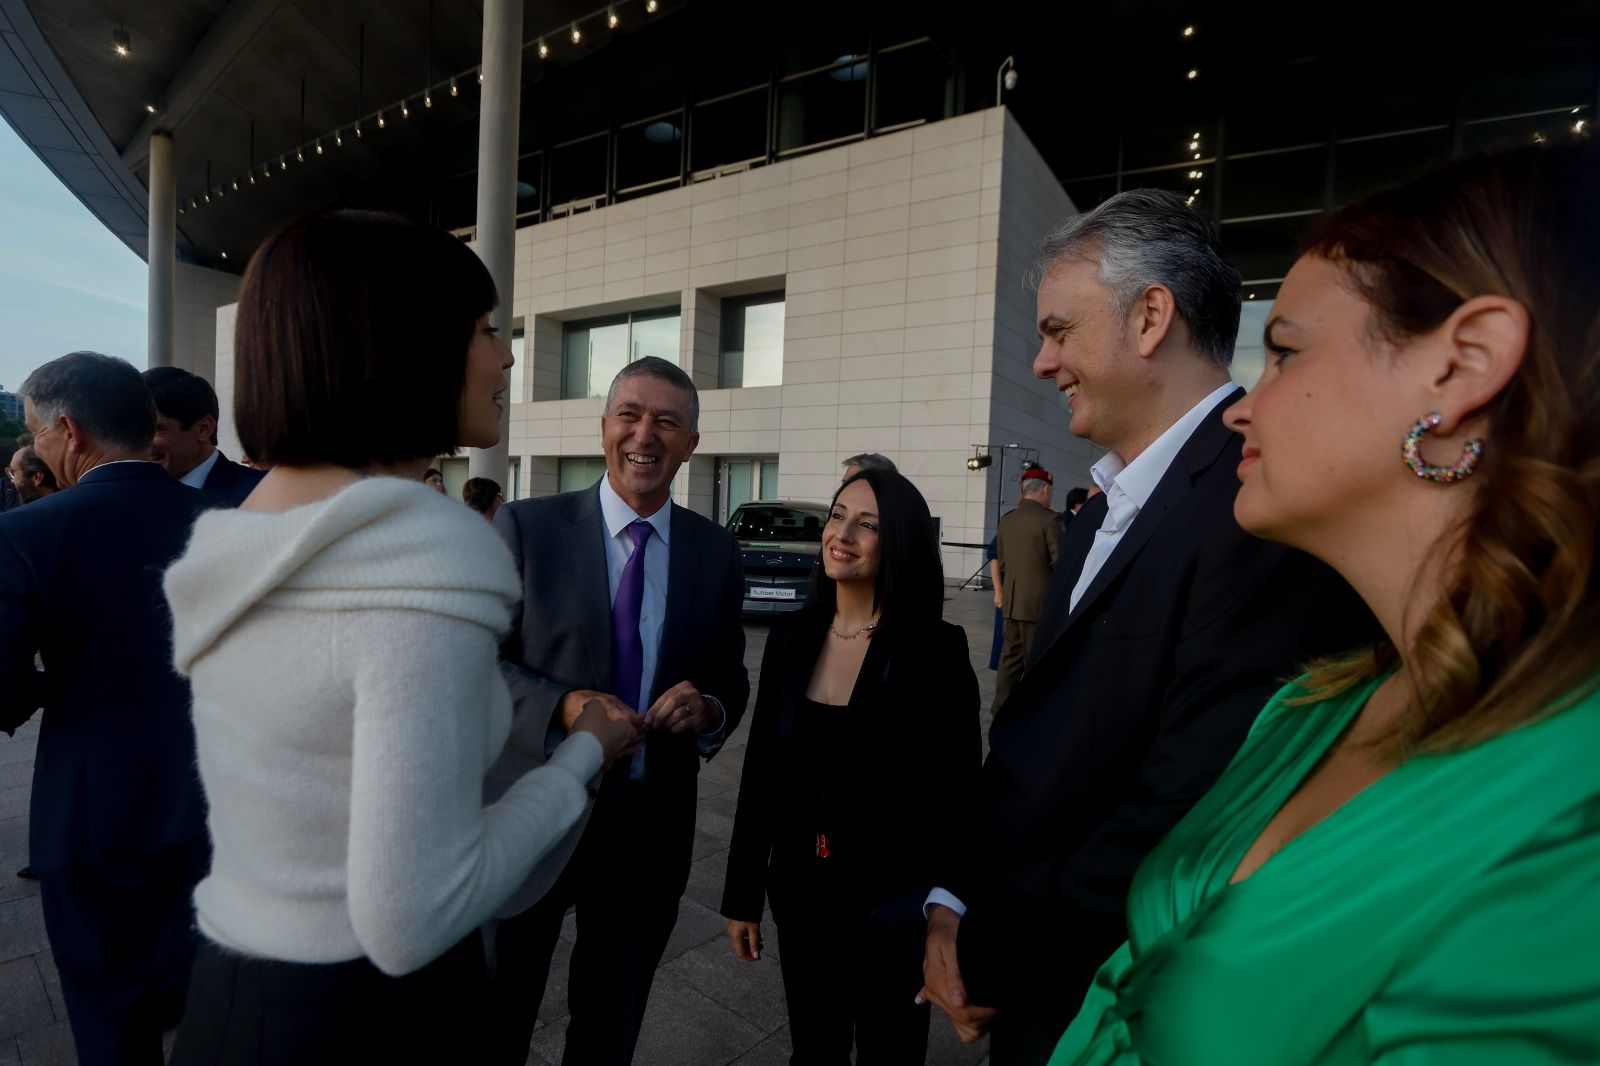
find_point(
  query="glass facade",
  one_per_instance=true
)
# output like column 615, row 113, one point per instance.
column 579, row 473
column 595, row 349
column 752, row 342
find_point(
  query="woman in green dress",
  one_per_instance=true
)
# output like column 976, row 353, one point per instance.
column 1402, row 865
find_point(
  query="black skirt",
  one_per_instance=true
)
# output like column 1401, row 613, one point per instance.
column 245, row 1011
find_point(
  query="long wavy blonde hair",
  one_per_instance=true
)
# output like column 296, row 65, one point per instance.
column 1516, row 634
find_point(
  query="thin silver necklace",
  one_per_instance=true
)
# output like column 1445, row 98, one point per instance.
column 863, row 631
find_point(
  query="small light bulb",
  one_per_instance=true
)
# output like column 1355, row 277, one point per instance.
column 1576, row 110
column 1193, row 145
column 1193, row 74
column 150, row 108
column 283, row 164
column 252, row 179
column 235, row 184
column 453, row 90
column 544, row 49
column 405, row 111
column 427, row 99
column 1195, row 135
column 1197, row 192
column 1252, row 296
column 1188, row 31
column 338, row 140
column 577, row 34
column 1197, row 155
column 180, row 210
column 358, row 130
column 266, row 171
column 1579, row 126
column 221, row 192
column 319, row 145
column 299, row 155
column 1190, row 200
column 193, row 203
column 480, row 77
column 208, row 197
column 380, row 120
column 650, row 6
column 224, row 255
column 612, row 20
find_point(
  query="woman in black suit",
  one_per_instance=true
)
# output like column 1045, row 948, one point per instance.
column 868, row 710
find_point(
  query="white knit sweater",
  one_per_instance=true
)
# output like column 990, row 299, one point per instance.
column 346, row 707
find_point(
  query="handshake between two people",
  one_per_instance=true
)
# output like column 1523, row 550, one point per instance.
column 620, row 729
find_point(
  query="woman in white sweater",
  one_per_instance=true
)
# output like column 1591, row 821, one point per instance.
column 340, row 630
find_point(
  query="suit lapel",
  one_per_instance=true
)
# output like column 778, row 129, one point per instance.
column 1196, row 456
column 590, row 584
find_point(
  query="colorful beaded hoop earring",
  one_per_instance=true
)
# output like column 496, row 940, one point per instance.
column 1411, row 452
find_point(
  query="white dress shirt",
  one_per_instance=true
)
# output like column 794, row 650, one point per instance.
column 196, row 478
column 618, row 516
column 1128, row 487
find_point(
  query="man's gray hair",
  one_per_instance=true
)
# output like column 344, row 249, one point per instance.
column 106, row 396
column 1147, row 237
column 656, row 367
column 871, row 461
column 1034, row 486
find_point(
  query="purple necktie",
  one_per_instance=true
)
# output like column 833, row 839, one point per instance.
column 626, row 644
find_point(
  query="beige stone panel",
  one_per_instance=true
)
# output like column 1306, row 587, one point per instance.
column 873, row 342
column 878, row 294
column 818, row 210
column 869, row 367
column 813, row 257
column 869, row 319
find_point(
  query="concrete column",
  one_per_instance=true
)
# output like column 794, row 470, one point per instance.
column 163, row 249
column 498, row 120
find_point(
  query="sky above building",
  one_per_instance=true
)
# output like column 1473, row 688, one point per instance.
column 65, row 282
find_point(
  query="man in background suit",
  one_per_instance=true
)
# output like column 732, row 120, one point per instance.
column 186, row 437
column 1026, row 547
column 1074, row 502
column 1167, row 630
column 29, row 476
column 635, row 602
column 117, row 826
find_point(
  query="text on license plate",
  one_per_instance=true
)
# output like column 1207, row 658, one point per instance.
column 760, row 593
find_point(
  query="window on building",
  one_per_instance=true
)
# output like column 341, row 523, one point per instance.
column 594, row 350
column 579, row 473
column 752, row 341
column 742, row 479
column 519, row 368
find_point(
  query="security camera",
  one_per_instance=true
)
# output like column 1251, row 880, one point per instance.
column 1011, row 79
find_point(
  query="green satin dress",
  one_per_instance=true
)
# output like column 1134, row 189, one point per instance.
column 1447, row 915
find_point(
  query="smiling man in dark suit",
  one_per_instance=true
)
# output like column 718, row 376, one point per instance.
column 1167, row 627
column 117, row 823
column 634, row 602
column 186, row 437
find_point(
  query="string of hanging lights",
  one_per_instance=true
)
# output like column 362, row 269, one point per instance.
column 446, row 85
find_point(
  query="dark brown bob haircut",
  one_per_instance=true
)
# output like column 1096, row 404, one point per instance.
column 351, row 341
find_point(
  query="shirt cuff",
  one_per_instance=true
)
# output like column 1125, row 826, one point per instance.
column 944, row 899
column 711, row 740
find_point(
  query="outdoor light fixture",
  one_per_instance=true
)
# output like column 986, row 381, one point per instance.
column 544, row 49
column 121, row 43
column 1005, row 77
column 577, row 34
column 611, row 19
column 979, row 462
column 650, row 7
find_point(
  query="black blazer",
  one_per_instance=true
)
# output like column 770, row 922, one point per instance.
column 1132, row 706
column 914, row 733
column 229, row 483
column 561, row 633
column 115, row 770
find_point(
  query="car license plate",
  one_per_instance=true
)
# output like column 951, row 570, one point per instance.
column 762, row 593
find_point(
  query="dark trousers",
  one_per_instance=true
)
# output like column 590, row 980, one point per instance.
column 846, row 982
column 625, row 878
column 123, row 940
column 262, row 1012
column 1013, row 656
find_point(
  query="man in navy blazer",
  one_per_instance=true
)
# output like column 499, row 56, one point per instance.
column 117, row 828
column 579, row 554
column 1166, row 629
column 186, row 437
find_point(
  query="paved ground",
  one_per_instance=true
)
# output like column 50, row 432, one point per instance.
column 707, row 1008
